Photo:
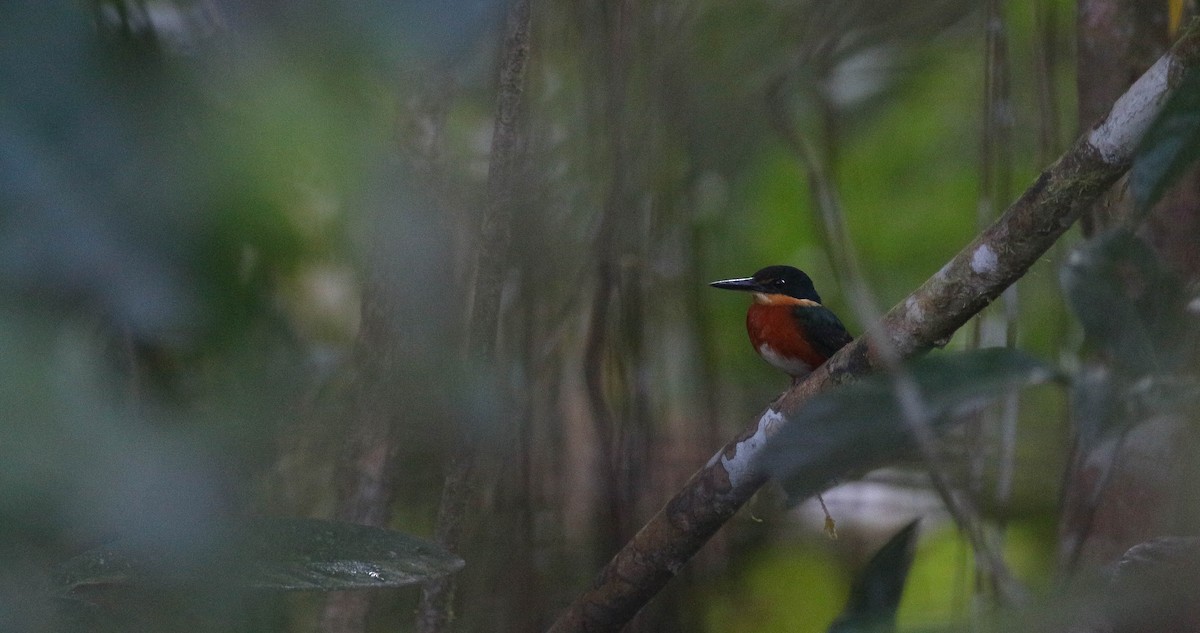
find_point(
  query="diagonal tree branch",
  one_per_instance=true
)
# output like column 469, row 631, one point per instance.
column 926, row 318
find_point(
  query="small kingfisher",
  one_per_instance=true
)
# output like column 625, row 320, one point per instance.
column 790, row 328
column 787, row 324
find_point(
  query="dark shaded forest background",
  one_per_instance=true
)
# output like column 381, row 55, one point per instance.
column 285, row 259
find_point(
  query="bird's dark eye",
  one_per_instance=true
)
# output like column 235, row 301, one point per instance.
column 779, row 283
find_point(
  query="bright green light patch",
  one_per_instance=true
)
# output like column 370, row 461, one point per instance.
column 939, row 584
column 787, row 590
column 783, row 218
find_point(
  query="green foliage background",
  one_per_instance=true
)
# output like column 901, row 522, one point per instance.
column 186, row 224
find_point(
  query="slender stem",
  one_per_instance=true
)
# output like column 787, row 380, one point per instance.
column 435, row 613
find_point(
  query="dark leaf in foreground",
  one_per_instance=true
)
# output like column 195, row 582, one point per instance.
column 1153, row 587
column 1136, row 331
column 276, row 554
column 1129, row 304
column 861, row 425
column 1170, row 145
column 875, row 594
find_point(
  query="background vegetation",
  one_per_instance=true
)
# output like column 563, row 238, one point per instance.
column 285, row 259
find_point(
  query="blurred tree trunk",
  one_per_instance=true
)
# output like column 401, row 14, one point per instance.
column 1131, row 486
column 492, row 267
column 614, row 350
column 1117, row 41
column 383, row 421
column 365, row 471
column 386, row 411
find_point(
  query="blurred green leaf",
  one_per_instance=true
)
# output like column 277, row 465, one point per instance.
column 861, row 425
column 875, row 594
column 1170, row 145
column 1129, row 305
column 1132, row 312
column 276, row 554
column 1153, row 587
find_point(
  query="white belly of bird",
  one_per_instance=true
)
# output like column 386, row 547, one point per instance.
column 792, row 366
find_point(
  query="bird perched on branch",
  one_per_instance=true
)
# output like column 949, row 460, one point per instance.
column 790, row 328
column 787, row 324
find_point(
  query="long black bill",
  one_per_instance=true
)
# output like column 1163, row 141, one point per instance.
column 744, row 283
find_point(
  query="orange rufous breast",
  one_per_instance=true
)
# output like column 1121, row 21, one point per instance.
column 777, row 327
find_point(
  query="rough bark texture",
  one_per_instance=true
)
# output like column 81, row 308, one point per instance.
column 495, row 231
column 928, row 317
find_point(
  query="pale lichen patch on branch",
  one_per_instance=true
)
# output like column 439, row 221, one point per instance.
column 741, row 464
column 984, row 261
column 915, row 313
column 1117, row 136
